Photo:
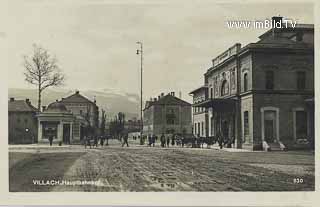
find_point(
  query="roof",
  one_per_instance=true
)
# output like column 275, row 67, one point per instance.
column 278, row 43
column 57, row 107
column 20, row 106
column 198, row 89
column 168, row 100
column 290, row 28
column 218, row 104
column 76, row 98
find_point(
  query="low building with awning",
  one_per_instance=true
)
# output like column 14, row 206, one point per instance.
column 60, row 123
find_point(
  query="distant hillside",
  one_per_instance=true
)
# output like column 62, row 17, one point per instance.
column 111, row 101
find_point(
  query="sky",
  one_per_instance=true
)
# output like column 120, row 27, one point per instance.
column 95, row 42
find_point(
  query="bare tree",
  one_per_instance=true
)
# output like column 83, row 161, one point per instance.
column 42, row 70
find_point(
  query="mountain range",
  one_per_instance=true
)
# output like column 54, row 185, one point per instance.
column 112, row 101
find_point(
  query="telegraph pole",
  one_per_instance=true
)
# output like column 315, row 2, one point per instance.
column 140, row 51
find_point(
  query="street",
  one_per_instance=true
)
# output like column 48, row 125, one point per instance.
column 141, row 168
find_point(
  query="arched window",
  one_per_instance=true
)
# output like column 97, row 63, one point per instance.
column 224, row 88
column 245, row 82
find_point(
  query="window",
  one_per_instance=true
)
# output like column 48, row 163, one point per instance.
column 81, row 112
column 301, row 124
column 269, row 80
column 245, row 125
column 301, row 80
column 202, row 128
column 198, row 128
column 195, row 128
column 25, row 121
column 211, row 92
column 224, row 88
column 18, row 120
column 245, row 82
column 170, row 116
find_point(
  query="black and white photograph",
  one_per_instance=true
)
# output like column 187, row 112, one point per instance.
column 160, row 96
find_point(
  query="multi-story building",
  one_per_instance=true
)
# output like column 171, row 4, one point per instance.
column 22, row 122
column 200, row 114
column 167, row 114
column 69, row 119
column 261, row 96
column 82, row 106
column 132, row 125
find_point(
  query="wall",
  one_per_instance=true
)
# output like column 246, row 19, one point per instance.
column 75, row 108
column 182, row 122
column 286, row 104
column 17, row 130
column 247, row 105
column 221, row 73
column 285, row 67
column 246, row 68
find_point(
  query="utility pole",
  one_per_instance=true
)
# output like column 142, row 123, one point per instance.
column 140, row 51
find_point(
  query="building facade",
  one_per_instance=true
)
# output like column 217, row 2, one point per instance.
column 82, row 107
column 22, row 122
column 261, row 96
column 68, row 120
column 167, row 114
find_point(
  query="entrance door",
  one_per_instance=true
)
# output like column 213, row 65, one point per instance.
column 66, row 133
column 268, row 131
column 270, row 126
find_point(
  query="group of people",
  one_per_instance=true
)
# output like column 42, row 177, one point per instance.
column 165, row 140
column 92, row 141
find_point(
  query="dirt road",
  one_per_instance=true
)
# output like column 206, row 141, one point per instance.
column 157, row 169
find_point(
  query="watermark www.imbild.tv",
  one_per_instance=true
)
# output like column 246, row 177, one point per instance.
column 262, row 24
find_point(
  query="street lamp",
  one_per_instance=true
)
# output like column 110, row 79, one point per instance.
column 140, row 52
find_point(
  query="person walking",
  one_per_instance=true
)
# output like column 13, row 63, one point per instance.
column 162, row 140
column 168, row 140
column 173, row 140
column 125, row 140
column 153, row 139
column 95, row 141
column 220, row 140
column 149, row 140
column 101, row 140
column 50, row 140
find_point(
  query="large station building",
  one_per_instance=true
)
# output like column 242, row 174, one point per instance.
column 261, row 96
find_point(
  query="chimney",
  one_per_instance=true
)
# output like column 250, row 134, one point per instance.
column 11, row 99
column 159, row 97
column 150, row 99
column 77, row 92
column 172, row 94
column 43, row 108
column 162, row 94
column 155, row 99
column 276, row 25
column 57, row 100
column 180, row 94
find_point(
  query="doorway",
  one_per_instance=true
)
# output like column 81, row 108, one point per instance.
column 66, row 133
column 270, row 126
